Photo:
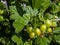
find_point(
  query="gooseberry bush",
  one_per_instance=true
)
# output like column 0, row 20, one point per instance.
column 30, row 22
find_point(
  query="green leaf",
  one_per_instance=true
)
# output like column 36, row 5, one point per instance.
column 15, row 38
column 1, row 18
column 27, row 17
column 20, row 42
column 49, row 16
column 14, row 14
column 40, row 16
column 25, row 0
column 54, row 8
column 1, row 39
column 28, row 43
column 41, row 41
column 19, row 21
column 57, row 28
column 1, row 5
column 57, row 38
column 40, row 4
column 29, row 10
column 44, row 41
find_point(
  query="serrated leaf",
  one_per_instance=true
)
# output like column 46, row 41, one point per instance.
column 26, row 17
column 28, row 43
column 40, row 16
column 57, row 28
column 15, row 38
column 49, row 16
column 41, row 41
column 20, row 42
column 19, row 21
column 29, row 10
column 57, row 38
column 40, row 4
column 14, row 14
column 25, row 0
column 55, row 8
column 19, row 28
column 44, row 41
column 1, row 5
